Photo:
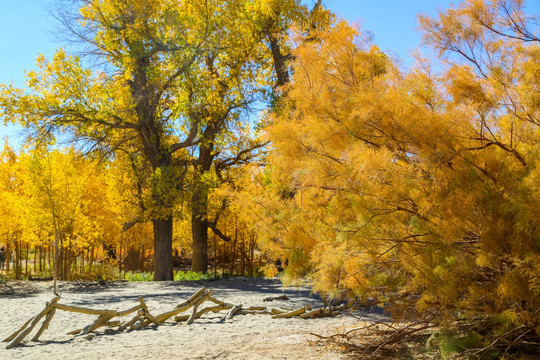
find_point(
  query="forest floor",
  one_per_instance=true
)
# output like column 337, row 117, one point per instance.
column 243, row 337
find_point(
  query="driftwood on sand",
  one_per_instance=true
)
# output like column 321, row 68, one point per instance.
column 143, row 317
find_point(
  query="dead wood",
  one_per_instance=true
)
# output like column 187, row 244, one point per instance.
column 77, row 309
column 143, row 317
column 25, row 330
column 275, row 311
column 254, row 310
column 147, row 312
column 293, row 313
column 45, row 324
column 132, row 321
column 314, row 313
column 235, row 309
column 218, row 302
column 100, row 320
column 129, row 311
column 183, row 306
column 197, row 304
column 201, row 312
column 107, row 324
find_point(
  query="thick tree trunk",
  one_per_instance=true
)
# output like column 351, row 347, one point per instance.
column 199, row 230
column 68, row 260
column 281, row 67
column 163, row 269
column 8, row 257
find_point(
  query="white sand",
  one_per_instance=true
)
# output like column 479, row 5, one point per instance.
column 243, row 337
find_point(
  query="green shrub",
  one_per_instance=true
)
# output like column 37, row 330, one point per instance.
column 139, row 276
column 450, row 343
column 192, row 276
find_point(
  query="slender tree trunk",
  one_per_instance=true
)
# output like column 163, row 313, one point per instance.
column 233, row 246
column 26, row 256
column 68, row 260
column 50, row 257
column 82, row 261
column 233, row 255
column 62, row 255
column 163, row 269
column 251, row 254
column 119, row 262
column 243, row 257
column 8, row 257
column 20, row 257
column 91, row 260
column 215, row 254
column 40, row 258
column 35, row 267
column 17, row 264
column 223, row 257
column 56, row 267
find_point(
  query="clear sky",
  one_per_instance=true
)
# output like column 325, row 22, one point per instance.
column 26, row 29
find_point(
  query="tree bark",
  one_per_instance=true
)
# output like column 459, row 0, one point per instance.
column 17, row 263
column 163, row 265
column 8, row 257
column 26, row 255
column 281, row 67
column 199, row 201
column 199, row 230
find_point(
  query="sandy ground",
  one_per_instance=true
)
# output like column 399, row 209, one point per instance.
column 243, row 337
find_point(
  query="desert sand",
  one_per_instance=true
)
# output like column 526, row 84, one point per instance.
column 242, row 337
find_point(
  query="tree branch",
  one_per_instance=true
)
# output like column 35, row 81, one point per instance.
column 218, row 232
column 242, row 157
column 190, row 140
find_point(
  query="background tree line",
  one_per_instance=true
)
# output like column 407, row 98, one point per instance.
column 84, row 204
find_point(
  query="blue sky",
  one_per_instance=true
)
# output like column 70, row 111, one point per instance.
column 26, row 29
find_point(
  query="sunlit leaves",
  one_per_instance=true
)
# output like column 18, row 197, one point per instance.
column 395, row 184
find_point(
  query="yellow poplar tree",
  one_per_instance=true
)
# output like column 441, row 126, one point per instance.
column 13, row 208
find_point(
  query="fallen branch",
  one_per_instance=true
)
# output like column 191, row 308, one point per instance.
column 200, row 313
column 197, row 304
column 19, row 335
column 183, row 306
column 146, row 312
column 235, row 309
column 293, row 313
column 45, row 324
column 132, row 321
column 107, row 324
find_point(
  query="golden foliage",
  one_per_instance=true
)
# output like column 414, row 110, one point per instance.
column 418, row 186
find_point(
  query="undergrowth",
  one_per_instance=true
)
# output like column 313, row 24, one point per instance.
column 178, row 276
